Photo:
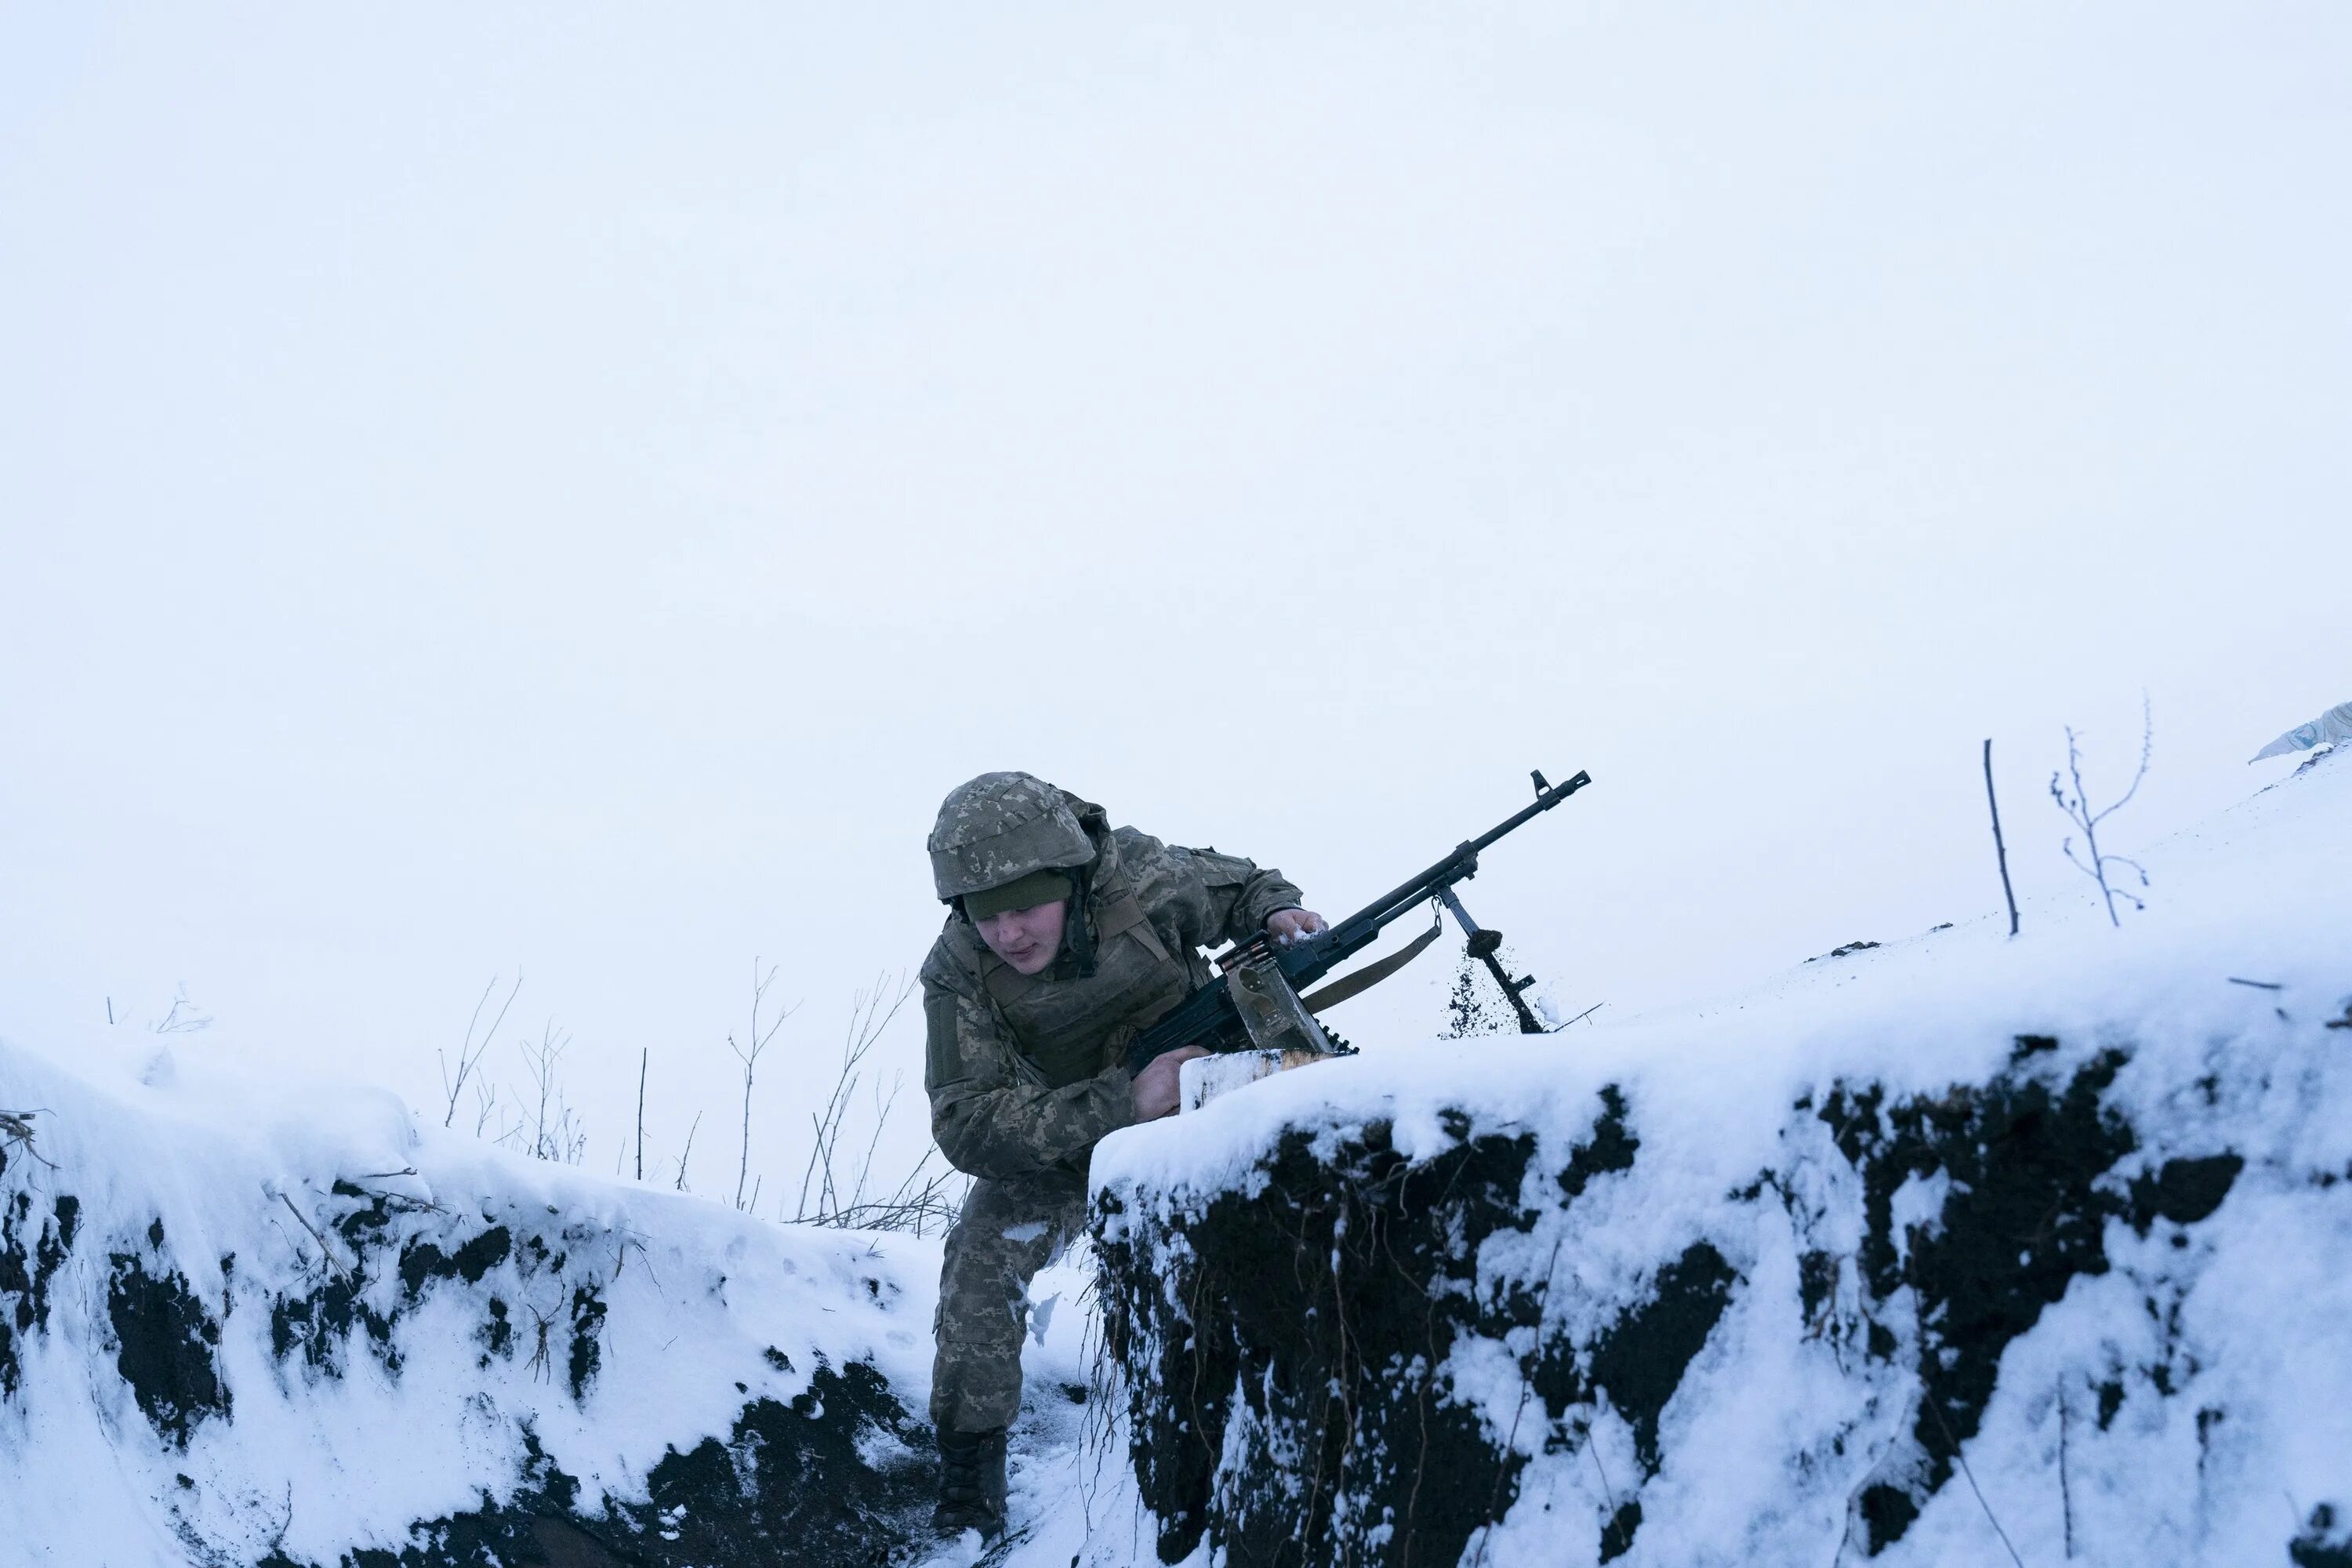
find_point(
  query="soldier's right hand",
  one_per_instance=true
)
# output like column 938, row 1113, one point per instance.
column 1156, row 1086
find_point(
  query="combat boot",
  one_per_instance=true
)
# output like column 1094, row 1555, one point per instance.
column 972, row 1483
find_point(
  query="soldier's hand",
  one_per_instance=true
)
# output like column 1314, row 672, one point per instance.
column 1156, row 1086
column 1286, row 926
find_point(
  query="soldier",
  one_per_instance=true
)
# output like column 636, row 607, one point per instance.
column 1066, row 938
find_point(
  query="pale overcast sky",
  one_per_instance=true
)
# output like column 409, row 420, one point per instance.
column 572, row 486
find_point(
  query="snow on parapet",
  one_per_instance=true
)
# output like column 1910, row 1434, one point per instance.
column 2263, row 891
column 1956, row 1240
column 242, row 1322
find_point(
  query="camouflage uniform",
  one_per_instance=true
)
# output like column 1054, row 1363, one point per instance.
column 1025, row 1076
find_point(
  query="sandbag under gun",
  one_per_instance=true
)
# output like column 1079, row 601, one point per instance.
column 1255, row 1004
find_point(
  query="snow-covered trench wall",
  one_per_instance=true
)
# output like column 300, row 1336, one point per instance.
column 245, row 1325
column 1959, row 1250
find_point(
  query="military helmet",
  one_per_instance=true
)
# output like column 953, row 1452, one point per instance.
column 1001, row 827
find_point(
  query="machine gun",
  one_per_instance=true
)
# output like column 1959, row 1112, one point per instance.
column 1255, row 1003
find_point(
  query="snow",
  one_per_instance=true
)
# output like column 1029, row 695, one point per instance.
column 1763, row 1445
column 2264, row 894
column 1767, row 1437
column 239, row 1171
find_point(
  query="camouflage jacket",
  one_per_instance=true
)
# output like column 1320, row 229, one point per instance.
column 1024, row 1072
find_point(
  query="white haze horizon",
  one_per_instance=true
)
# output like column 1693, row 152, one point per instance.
column 497, row 487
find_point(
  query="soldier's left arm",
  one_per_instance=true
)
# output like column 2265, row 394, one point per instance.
column 1225, row 897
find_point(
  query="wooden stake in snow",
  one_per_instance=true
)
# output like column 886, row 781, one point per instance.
column 1999, row 850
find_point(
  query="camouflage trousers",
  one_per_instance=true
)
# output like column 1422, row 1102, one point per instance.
column 1008, row 1231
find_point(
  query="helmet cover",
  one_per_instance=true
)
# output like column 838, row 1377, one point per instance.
column 1000, row 827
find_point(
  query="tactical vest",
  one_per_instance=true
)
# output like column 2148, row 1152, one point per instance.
column 1064, row 1027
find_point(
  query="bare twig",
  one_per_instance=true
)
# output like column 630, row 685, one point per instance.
column 184, row 1018
column 2000, row 849
column 1527, row 1386
column 870, row 1013
column 486, row 1103
column 1961, row 1457
column 642, row 1057
column 688, row 1152
column 925, row 1198
column 883, row 1106
column 539, row 1363
column 558, row 1133
column 1600, row 1469
column 749, row 1054
column 316, row 1234
column 2092, row 863
column 17, row 1132
column 285, row 1522
column 933, row 1204
column 469, row 1054
column 406, row 1204
column 2065, row 1485
column 1927, row 1398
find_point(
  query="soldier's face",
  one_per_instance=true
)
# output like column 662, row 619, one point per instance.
column 1027, row 938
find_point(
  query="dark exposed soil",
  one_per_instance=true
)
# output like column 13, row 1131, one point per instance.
column 839, row 1474
column 1286, row 1348
column 1328, row 1302
column 788, row 1485
column 31, row 1252
column 1326, row 1305
column 2024, row 1214
column 2326, row 1540
column 166, row 1344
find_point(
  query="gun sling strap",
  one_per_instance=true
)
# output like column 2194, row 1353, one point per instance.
column 1371, row 975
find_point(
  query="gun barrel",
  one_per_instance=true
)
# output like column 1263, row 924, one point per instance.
column 1462, row 863
column 1208, row 1014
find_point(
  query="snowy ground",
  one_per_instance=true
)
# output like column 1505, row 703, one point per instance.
column 1072, row 1498
column 300, row 1430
